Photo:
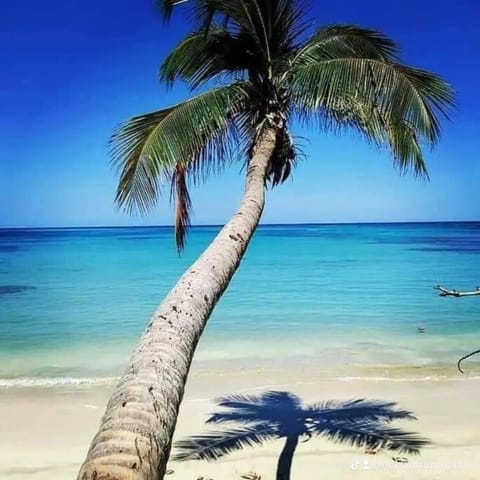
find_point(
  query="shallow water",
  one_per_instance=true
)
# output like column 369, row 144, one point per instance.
column 74, row 301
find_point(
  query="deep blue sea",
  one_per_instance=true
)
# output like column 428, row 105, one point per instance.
column 73, row 302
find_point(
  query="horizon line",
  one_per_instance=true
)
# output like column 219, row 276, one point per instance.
column 211, row 225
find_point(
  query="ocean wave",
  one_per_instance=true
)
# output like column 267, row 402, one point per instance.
column 25, row 382
column 46, row 382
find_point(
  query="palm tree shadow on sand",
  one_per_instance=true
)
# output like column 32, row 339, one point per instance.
column 272, row 415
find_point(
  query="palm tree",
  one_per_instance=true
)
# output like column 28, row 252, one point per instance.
column 257, row 68
column 273, row 415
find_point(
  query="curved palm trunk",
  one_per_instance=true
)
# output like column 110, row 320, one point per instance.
column 134, row 438
column 284, row 465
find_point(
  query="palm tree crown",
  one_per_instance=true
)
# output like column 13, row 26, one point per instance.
column 272, row 415
column 258, row 63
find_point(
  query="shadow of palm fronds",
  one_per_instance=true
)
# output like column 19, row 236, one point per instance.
column 272, row 415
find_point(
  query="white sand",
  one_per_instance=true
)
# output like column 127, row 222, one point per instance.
column 46, row 432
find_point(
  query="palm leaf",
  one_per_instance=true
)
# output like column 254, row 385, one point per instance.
column 415, row 96
column 212, row 446
column 390, row 104
column 289, row 23
column 404, row 145
column 183, row 204
column 149, row 147
column 204, row 55
column 139, row 178
column 384, row 129
column 270, row 25
column 345, row 41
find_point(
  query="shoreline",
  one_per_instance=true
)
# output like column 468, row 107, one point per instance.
column 335, row 353
column 258, row 367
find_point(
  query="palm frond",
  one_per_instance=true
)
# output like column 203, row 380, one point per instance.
column 389, row 103
column 367, row 434
column 289, row 23
column 204, row 13
column 138, row 186
column 283, row 159
column 404, row 145
column 212, row 446
column 183, row 204
column 205, row 55
column 384, row 129
column 345, row 41
column 279, row 24
column 416, row 96
column 148, row 147
column 356, row 410
column 272, row 27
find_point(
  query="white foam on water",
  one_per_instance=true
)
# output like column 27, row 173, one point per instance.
column 25, row 382
column 45, row 382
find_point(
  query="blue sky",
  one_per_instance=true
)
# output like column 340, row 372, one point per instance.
column 73, row 70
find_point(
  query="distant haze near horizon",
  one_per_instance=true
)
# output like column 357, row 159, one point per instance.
column 220, row 225
column 76, row 70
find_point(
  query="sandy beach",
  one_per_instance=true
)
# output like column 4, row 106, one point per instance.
column 321, row 335
column 276, row 199
column 46, row 431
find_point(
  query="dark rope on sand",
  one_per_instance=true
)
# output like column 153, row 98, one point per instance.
column 459, row 364
column 445, row 292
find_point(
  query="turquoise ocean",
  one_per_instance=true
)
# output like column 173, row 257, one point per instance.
column 73, row 302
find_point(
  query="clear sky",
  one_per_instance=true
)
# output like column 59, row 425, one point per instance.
column 71, row 71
